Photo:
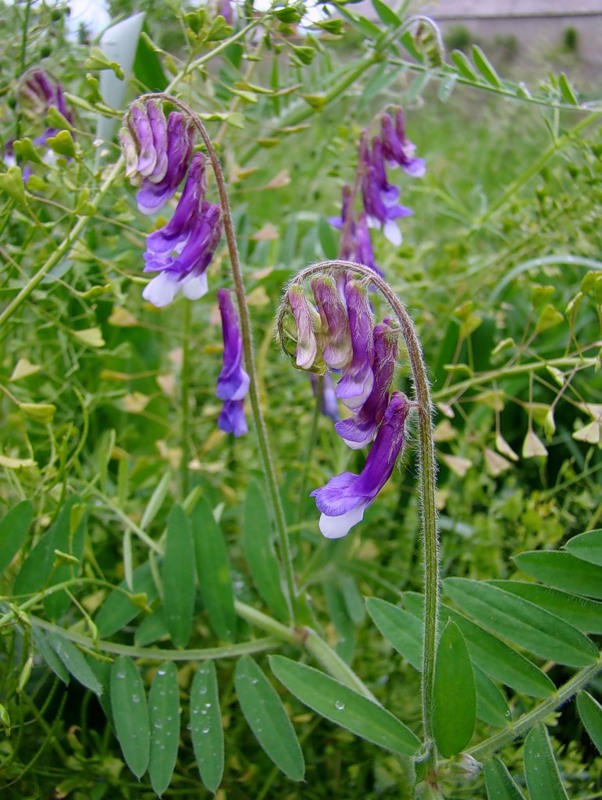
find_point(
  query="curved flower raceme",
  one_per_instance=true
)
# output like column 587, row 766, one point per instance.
column 343, row 500
column 233, row 381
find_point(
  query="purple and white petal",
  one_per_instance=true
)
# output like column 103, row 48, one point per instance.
column 336, row 346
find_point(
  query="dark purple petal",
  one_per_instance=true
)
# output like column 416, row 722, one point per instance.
column 343, row 500
column 336, row 347
column 397, row 149
column 359, row 430
column 232, row 418
column 153, row 196
column 356, row 384
column 233, row 381
column 328, row 400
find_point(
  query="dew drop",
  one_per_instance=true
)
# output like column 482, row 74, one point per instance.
column 339, row 705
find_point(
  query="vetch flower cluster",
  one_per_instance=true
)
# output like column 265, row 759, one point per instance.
column 380, row 206
column 339, row 334
column 159, row 154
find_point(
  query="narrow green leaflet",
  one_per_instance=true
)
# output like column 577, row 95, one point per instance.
column 493, row 656
column 119, row 608
column 387, row 15
column 164, row 717
column 401, row 629
column 566, row 90
column 206, row 726
column 563, row 571
column 267, row 718
column 485, row 67
column 130, row 714
column 151, row 629
column 581, row 612
column 13, row 531
column 50, row 657
column 587, row 547
column 38, row 565
column 259, row 551
column 463, row 65
column 213, row 570
column 177, row 572
column 491, row 703
column 522, row 622
column 590, row 712
column 499, row 783
column 454, row 696
column 341, row 705
column 541, row 770
column 69, row 541
column 75, row 661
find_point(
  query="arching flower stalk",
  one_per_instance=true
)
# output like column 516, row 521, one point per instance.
column 381, row 416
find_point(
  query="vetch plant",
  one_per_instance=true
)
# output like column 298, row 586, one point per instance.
column 292, row 582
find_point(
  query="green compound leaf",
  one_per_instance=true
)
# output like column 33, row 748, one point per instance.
column 13, row 531
column 485, row 67
column 541, row 770
column 259, row 551
column 213, row 570
column 341, row 705
column 130, row 714
column 177, row 572
column 590, row 712
column 267, row 718
column 582, row 613
column 454, row 697
column 75, row 661
column 164, row 717
column 494, row 657
column 206, row 726
column 499, row 783
column 587, row 547
column 522, row 622
column 562, row 571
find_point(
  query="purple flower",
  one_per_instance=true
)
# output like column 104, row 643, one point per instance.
column 360, row 429
column 157, row 153
column 378, row 196
column 232, row 418
column 356, row 384
column 345, row 497
column 337, row 349
column 183, row 249
column 363, row 245
column 356, row 244
column 397, row 149
column 233, row 381
column 45, row 93
column 226, row 11
column 306, row 322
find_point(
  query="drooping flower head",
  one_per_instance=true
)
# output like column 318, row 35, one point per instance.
column 233, row 381
column 157, row 153
column 343, row 500
column 43, row 93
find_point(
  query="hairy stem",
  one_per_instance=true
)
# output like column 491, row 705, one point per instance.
column 428, row 472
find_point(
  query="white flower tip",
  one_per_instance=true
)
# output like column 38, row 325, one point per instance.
column 392, row 232
column 337, row 527
column 161, row 290
column 195, row 286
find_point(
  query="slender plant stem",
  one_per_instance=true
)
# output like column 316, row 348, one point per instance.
column 536, row 715
column 184, row 397
column 159, row 653
column 247, row 339
column 428, row 472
